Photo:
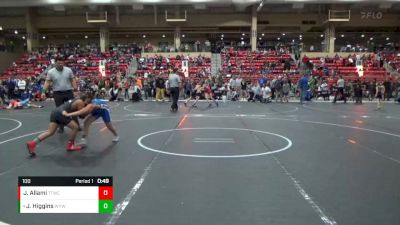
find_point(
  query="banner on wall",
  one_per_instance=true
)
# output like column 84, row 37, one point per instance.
column 185, row 68
column 102, row 67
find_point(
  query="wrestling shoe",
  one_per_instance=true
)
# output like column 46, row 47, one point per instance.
column 31, row 145
column 83, row 142
column 72, row 147
column 115, row 139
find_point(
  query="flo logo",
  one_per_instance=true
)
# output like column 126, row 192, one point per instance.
column 371, row 15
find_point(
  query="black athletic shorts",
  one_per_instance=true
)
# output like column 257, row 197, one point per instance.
column 62, row 96
column 57, row 117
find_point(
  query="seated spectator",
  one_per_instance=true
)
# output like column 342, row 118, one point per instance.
column 266, row 94
column 255, row 93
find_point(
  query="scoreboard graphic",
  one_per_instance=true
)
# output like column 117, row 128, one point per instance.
column 65, row 194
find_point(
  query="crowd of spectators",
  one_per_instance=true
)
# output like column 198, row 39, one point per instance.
column 199, row 66
column 245, row 75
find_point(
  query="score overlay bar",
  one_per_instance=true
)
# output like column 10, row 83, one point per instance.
column 65, row 195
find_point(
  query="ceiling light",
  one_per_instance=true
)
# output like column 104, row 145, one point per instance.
column 300, row 36
column 1, row 28
column 342, row 35
column 283, row 34
column 241, row 38
column 293, row 40
column 278, row 38
column 15, row 32
column 242, row 42
column 23, row 37
column 222, row 35
column 183, row 35
column 262, row 34
column 322, row 35
column 144, row 36
column 86, row 37
column 362, row 35
column 44, row 37
column 222, row 39
column 243, row 34
column 259, row 38
column 163, row 35
column 371, row 38
column 387, row 39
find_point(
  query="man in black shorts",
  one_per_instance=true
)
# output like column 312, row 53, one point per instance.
column 63, row 81
column 58, row 119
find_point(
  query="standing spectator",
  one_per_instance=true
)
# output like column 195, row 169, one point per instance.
column 358, row 92
column 188, row 88
column 371, row 90
column 160, row 88
column 278, row 89
column 174, row 82
column 243, row 89
column 273, row 88
column 396, row 87
column 263, row 81
column 232, row 83
column 197, row 46
column 380, row 93
column 2, row 95
column 303, row 87
column 286, row 90
column 63, row 82
column 340, row 89
column 11, row 85
column 388, row 89
column 21, row 86
column 146, row 88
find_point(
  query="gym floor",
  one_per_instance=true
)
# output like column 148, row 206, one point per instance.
column 240, row 163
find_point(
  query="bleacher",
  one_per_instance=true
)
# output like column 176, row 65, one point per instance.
column 370, row 70
column 84, row 65
column 27, row 65
column 250, row 65
column 157, row 66
column 393, row 60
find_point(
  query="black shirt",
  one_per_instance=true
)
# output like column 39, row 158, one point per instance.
column 243, row 84
column 160, row 83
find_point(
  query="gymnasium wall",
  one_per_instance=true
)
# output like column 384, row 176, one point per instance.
column 140, row 21
column 7, row 58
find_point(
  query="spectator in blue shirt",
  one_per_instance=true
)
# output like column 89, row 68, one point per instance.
column 303, row 87
column 263, row 81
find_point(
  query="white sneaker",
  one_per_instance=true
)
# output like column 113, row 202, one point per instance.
column 116, row 139
column 83, row 142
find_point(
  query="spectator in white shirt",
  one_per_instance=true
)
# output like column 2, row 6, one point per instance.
column 266, row 94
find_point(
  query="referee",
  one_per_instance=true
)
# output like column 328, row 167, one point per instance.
column 174, row 83
column 63, row 81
